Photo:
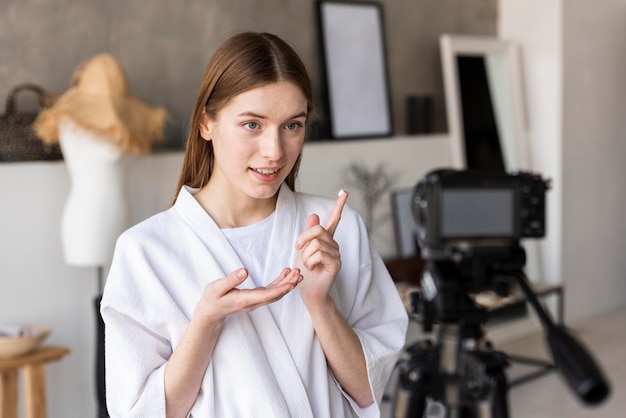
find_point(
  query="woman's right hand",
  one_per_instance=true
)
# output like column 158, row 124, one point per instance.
column 222, row 297
column 187, row 364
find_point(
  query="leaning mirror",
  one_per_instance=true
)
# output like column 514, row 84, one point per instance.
column 484, row 103
column 486, row 112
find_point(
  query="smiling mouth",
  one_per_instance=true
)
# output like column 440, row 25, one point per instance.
column 265, row 172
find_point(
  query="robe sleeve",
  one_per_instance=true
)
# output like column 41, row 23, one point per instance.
column 137, row 340
column 375, row 310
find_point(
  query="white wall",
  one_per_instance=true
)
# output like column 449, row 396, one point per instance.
column 35, row 284
column 573, row 66
column 324, row 165
column 594, row 147
column 37, row 287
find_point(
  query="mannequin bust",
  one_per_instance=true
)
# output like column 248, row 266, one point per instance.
column 95, row 212
column 98, row 124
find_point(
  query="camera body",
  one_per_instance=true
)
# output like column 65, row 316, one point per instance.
column 460, row 207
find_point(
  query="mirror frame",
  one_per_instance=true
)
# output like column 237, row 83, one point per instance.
column 453, row 46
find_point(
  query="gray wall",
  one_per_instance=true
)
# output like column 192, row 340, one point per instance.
column 594, row 196
column 573, row 66
column 164, row 45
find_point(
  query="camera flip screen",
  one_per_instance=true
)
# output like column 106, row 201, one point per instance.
column 477, row 213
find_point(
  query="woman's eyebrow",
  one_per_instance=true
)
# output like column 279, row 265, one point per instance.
column 259, row 116
column 252, row 114
column 300, row 115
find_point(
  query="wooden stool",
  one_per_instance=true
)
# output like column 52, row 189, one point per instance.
column 34, row 376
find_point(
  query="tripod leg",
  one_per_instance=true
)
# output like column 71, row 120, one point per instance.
column 500, row 407
column 409, row 403
column 495, row 362
column 415, row 381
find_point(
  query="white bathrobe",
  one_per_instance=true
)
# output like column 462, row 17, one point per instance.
column 266, row 363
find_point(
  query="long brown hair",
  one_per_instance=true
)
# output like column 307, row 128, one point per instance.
column 243, row 62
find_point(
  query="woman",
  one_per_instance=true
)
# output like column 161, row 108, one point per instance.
column 237, row 301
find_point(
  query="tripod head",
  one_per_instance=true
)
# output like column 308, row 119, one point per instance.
column 448, row 282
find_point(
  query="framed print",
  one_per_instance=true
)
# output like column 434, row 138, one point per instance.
column 355, row 69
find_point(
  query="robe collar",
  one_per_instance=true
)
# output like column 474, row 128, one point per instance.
column 287, row 226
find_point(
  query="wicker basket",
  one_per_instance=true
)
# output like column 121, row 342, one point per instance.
column 18, row 141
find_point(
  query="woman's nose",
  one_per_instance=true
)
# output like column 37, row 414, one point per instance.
column 271, row 145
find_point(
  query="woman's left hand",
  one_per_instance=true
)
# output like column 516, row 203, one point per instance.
column 318, row 257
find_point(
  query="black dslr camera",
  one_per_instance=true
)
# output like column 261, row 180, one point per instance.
column 455, row 208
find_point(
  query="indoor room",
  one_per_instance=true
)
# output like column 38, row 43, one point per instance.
column 393, row 102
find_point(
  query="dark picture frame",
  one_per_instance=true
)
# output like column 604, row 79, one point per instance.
column 354, row 69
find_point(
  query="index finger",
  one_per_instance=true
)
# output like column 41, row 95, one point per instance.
column 335, row 214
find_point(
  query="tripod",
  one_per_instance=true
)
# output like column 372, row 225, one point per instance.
column 461, row 375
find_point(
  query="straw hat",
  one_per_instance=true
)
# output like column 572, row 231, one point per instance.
column 99, row 100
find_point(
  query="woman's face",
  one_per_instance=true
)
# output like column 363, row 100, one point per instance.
column 257, row 138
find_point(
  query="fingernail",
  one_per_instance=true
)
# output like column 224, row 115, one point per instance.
column 341, row 193
column 241, row 273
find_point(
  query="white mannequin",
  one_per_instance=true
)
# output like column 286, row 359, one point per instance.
column 96, row 211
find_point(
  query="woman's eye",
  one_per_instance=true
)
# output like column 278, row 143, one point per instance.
column 251, row 125
column 293, row 126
